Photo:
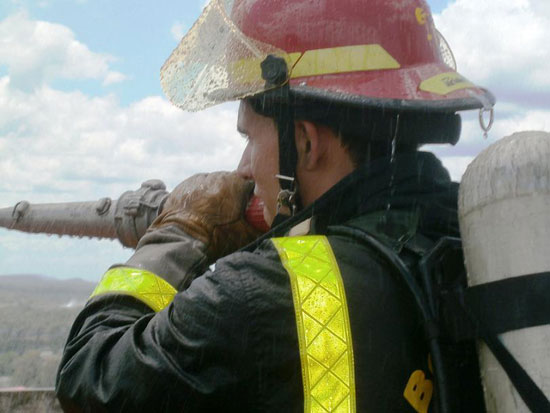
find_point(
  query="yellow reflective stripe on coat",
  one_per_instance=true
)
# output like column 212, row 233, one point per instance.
column 143, row 285
column 322, row 319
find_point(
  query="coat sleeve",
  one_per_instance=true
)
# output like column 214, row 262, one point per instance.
column 193, row 355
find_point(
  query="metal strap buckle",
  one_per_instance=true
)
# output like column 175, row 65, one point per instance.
column 286, row 202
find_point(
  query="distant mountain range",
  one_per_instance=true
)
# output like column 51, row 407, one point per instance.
column 28, row 282
column 52, row 286
column 36, row 313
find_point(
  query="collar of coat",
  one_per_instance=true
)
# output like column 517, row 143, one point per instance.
column 408, row 182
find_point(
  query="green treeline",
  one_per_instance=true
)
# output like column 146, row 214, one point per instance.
column 36, row 314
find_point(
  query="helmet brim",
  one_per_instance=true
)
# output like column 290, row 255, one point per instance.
column 430, row 87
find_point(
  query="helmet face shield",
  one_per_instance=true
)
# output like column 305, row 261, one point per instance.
column 215, row 62
column 446, row 52
column 373, row 53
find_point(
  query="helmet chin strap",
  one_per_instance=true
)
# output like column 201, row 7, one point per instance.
column 287, row 202
column 275, row 73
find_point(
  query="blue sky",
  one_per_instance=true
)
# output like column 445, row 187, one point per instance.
column 82, row 115
column 136, row 33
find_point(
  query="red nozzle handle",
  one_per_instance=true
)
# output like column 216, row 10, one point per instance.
column 255, row 214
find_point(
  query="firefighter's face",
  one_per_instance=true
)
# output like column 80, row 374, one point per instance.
column 260, row 159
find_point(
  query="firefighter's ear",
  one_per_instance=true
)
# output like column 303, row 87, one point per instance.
column 310, row 144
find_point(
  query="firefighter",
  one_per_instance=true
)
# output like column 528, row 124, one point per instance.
column 335, row 96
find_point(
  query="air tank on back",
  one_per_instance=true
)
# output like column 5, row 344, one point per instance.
column 504, row 209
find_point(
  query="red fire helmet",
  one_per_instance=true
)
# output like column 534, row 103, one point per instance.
column 381, row 53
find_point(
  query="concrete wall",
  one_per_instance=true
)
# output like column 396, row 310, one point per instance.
column 35, row 401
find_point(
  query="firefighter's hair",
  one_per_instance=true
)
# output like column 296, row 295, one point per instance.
column 368, row 132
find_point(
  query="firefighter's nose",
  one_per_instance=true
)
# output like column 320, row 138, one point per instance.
column 244, row 169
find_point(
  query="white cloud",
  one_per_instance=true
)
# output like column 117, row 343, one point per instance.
column 114, row 77
column 36, row 52
column 59, row 145
column 456, row 158
column 177, row 31
column 456, row 165
column 501, row 44
column 65, row 146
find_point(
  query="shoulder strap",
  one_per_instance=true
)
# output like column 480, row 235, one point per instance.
column 501, row 306
column 430, row 325
column 473, row 310
column 486, row 310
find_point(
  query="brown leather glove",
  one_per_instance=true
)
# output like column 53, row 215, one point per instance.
column 210, row 208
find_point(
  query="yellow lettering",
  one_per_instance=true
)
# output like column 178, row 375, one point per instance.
column 418, row 391
column 421, row 16
column 445, row 83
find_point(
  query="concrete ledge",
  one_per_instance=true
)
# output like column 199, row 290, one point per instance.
column 29, row 400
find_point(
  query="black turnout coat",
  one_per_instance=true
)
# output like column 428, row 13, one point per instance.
column 228, row 341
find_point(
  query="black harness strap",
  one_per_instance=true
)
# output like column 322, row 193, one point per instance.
column 531, row 394
column 484, row 311
column 501, row 306
column 511, row 304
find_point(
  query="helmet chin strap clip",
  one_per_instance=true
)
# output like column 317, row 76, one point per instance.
column 286, row 200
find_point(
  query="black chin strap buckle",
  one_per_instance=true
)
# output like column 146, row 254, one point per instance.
column 286, row 200
column 274, row 71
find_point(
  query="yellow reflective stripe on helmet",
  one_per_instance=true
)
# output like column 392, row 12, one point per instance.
column 445, row 83
column 143, row 285
column 322, row 319
column 343, row 60
column 333, row 60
